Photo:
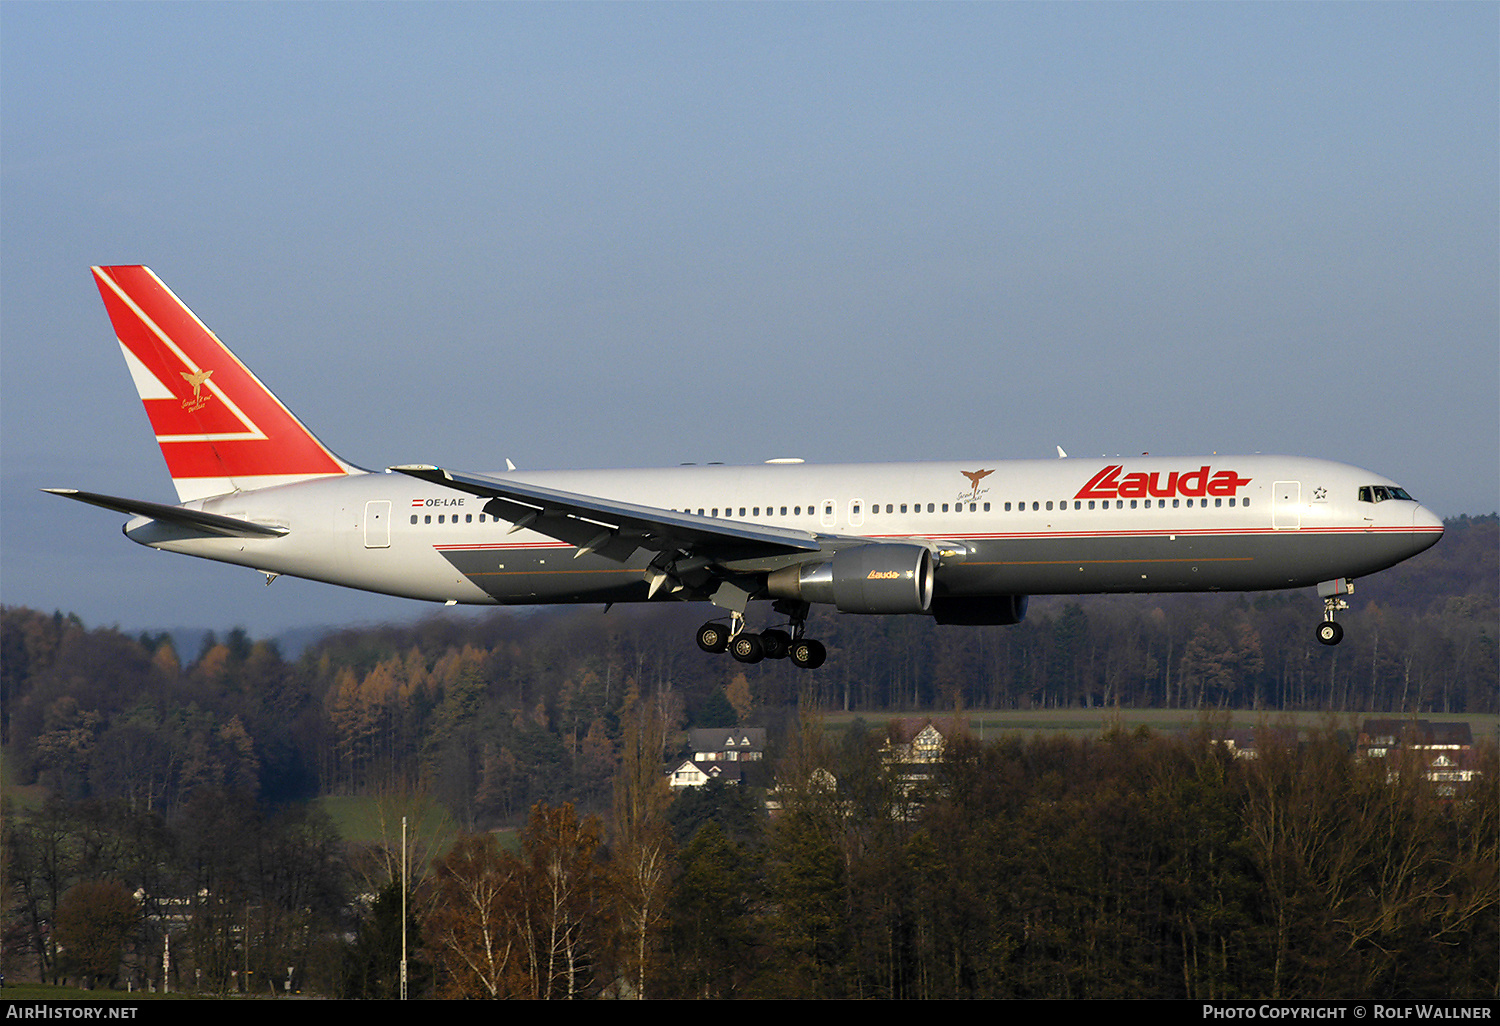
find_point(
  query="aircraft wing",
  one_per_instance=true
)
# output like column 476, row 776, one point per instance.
column 616, row 529
column 193, row 519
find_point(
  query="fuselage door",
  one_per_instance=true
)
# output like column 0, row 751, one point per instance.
column 378, row 524
column 1286, row 505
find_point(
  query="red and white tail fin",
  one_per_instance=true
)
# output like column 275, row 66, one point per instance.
column 219, row 428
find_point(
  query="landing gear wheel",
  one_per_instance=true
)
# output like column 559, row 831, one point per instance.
column 808, row 654
column 747, row 647
column 776, row 643
column 1330, row 632
column 713, row 637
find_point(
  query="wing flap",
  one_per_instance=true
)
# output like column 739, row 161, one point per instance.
column 616, row 529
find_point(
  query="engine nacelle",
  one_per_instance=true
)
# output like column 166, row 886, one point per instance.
column 891, row 578
column 990, row 611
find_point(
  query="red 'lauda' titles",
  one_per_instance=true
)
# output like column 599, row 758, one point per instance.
column 1108, row 484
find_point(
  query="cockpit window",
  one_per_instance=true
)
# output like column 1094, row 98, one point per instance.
column 1379, row 493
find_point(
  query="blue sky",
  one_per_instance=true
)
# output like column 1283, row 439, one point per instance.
column 626, row 235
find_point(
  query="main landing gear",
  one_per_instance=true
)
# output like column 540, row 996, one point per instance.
column 1330, row 631
column 749, row 647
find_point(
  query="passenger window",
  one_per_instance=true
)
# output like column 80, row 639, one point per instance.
column 414, row 518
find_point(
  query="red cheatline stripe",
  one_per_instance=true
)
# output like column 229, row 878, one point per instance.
column 500, row 546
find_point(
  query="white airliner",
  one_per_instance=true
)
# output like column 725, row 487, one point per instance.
column 964, row 542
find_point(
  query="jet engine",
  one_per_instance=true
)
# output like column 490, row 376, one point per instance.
column 892, row 578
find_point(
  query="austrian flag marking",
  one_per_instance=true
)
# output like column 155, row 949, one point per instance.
column 1108, row 484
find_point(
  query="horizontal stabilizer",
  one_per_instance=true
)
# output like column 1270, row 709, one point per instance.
column 197, row 520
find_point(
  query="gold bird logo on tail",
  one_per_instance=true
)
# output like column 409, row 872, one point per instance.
column 196, row 380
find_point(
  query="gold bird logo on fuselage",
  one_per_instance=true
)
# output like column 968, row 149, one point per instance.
column 976, row 476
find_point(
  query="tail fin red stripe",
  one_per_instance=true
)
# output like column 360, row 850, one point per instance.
column 219, row 428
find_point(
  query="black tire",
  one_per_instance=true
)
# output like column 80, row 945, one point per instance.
column 808, row 654
column 1330, row 632
column 776, row 643
column 713, row 637
column 746, row 647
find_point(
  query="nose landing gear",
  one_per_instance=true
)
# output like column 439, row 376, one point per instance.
column 1330, row 631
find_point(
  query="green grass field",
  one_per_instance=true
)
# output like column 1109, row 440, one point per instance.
column 1091, row 723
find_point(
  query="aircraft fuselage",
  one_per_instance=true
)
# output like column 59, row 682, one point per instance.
column 1028, row 527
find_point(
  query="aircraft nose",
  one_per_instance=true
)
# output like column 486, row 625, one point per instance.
column 1426, row 528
